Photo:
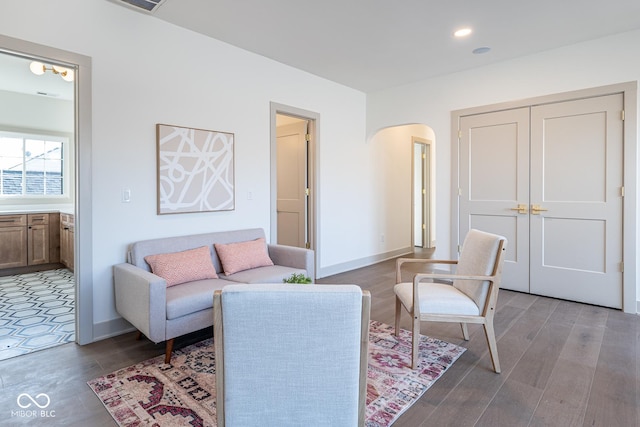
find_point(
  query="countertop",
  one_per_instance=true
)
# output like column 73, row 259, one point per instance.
column 32, row 209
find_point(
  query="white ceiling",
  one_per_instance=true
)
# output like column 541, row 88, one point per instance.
column 375, row 44
column 371, row 45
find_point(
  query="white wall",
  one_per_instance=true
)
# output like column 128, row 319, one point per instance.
column 144, row 72
column 34, row 112
column 600, row 62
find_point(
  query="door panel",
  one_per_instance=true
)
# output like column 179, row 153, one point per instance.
column 562, row 253
column 576, row 177
column 494, row 180
column 291, row 184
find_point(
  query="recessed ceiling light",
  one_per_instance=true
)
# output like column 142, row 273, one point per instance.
column 481, row 50
column 462, row 32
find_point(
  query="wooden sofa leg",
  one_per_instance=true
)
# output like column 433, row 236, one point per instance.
column 139, row 336
column 167, row 353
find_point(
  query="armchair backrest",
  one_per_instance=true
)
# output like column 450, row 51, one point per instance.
column 291, row 355
column 480, row 256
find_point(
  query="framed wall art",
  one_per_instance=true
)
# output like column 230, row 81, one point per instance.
column 195, row 170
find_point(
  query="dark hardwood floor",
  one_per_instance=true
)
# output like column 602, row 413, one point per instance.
column 563, row 364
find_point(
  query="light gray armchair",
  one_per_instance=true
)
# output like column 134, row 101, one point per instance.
column 291, row 355
column 471, row 298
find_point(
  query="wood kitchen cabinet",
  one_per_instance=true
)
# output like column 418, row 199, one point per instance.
column 29, row 242
column 37, row 239
column 13, row 241
column 67, row 236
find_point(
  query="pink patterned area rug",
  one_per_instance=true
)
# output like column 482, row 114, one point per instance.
column 183, row 393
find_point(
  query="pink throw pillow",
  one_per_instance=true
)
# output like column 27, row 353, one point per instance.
column 181, row 267
column 243, row 255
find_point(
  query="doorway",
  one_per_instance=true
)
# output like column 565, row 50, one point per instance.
column 549, row 176
column 421, row 193
column 37, row 152
column 81, row 143
column 293, row 177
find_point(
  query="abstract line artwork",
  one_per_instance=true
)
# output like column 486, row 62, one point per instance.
column 195, row 170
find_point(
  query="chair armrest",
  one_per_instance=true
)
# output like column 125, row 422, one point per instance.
column 401, row 261
column 141, row 299
column 420, row 276
column 294, row 257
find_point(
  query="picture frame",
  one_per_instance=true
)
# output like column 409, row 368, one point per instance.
column 195, row 170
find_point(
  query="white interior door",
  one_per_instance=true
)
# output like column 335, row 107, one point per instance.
column 494, row 181
column 292, row 184
column 576, row 178
column 417, row 196
column 421, row 162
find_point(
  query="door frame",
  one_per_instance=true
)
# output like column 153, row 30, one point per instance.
column 312, row 174
column 83, row 265
column 426, row 198
column 629, row 212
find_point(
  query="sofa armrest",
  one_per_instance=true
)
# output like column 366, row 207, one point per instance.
column 291, row 256
column 141, row 299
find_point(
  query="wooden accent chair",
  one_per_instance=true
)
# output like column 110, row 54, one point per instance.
column 471, row 298
column 291, row 355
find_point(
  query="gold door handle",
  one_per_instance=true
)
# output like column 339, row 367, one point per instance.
column 522, row 209
column 536, row 209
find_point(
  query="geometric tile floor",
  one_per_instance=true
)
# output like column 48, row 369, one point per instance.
column 37, row 311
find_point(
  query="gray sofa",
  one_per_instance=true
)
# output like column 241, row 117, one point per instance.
column 163, row 313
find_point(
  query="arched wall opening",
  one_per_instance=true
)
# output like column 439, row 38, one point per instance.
column 395, row 181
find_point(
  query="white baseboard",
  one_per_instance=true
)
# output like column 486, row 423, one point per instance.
column 111, row 328
column 362, row 262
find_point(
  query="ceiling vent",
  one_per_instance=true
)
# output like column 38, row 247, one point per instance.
column 145, row 5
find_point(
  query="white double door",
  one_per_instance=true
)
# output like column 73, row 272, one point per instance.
column 550, row 179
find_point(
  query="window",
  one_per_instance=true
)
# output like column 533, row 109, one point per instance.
column 31, row 165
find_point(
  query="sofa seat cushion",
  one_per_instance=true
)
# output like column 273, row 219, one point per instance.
column 190, row 297
column 270, row 274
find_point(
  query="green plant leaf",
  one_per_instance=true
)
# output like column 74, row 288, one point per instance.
column 297, row 278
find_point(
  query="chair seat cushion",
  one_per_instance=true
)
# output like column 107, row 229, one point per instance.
column 436, row 298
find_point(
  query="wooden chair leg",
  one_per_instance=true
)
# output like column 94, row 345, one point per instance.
column 398, row 313
column 415, row 338
column 493, row 346
column 465, row 331
column 168, row 351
